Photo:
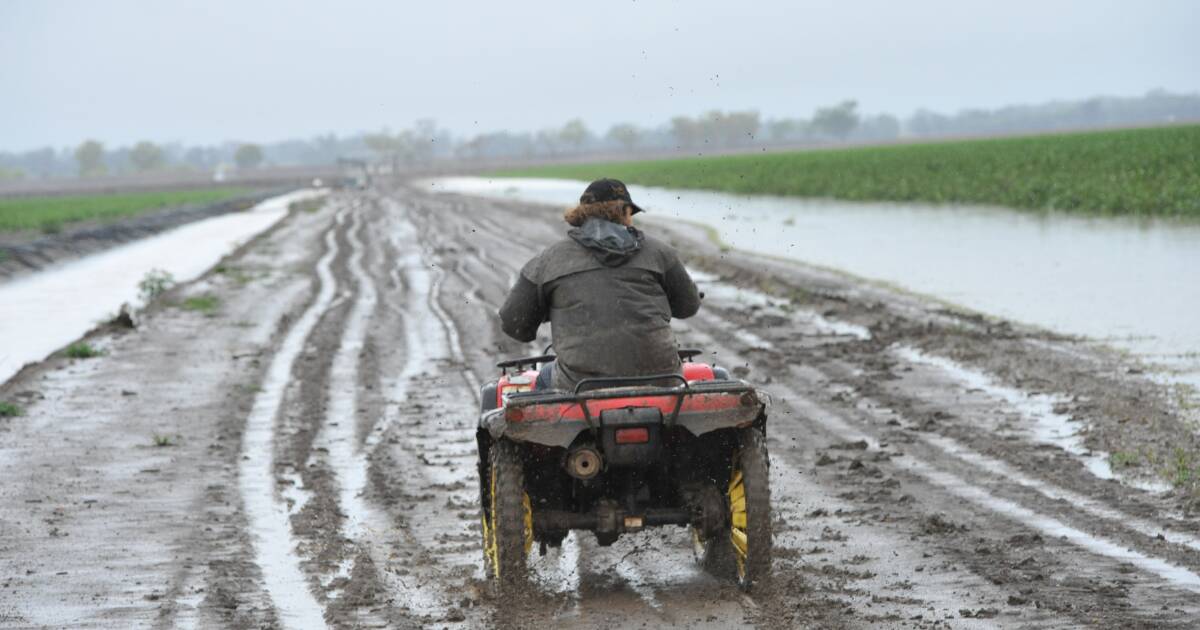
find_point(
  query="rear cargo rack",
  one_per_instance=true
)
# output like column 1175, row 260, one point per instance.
column 522, row 399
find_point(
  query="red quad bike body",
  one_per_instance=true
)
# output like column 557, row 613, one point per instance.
column 618, row 455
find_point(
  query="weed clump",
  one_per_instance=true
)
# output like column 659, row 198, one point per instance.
column 155, row 283
column 307, row 205
column 10, row 410
column 83, row 350
column 1184, row 470
column 1123, row 459
column 206, row 304
column 239, row 275
column 163, row 440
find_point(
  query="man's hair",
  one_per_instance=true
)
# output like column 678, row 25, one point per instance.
column 608, row 210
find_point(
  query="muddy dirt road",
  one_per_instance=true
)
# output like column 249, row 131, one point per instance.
column 302, row 454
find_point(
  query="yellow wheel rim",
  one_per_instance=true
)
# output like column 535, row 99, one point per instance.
column 491, row 545
column 737, row 520
column 490, row 549
column 528, row 522
column 697, row 543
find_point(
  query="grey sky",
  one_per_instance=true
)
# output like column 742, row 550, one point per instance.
column 203, row 72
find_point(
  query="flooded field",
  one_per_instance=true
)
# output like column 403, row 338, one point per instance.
column 46, row 310
column 1128, row 283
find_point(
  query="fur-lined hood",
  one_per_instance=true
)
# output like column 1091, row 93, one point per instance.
column 608, row 210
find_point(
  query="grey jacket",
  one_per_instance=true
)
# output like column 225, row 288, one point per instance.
column 609, row 293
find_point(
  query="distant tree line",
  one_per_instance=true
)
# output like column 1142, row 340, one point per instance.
column 92, row 158
column 832, row 124
column 425, row 142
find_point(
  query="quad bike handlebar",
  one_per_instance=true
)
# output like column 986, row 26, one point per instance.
column 522, row 361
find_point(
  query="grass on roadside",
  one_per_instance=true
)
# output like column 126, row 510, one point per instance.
column 206, row 304
column 307, row 205
column 1184, row 470
column 1123, row 459
column 83, row 350
column 1143, row 172
column 239, row 275
column 50, row 213
column 10, row 410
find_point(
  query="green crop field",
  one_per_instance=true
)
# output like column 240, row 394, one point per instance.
column 52, row 212
column 1146, row 172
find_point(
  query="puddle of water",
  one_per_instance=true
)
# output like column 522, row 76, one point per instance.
column 348, row 461
column 42, row 312
column 795, row 495
column 1177, row 576
column 1045, row 425
column 715, row 290
column 1053, row 528
column 421, row 334
column 187, row 615
column 1130, row 282
column 268, row 516
column 635, row 580
column 1091, row 506
column 294, row 495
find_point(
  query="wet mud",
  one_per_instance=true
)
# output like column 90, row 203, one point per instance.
column 906, row 494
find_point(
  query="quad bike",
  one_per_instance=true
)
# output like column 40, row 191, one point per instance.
column 618, row 455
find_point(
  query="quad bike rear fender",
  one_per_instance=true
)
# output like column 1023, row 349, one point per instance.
column 556, row 419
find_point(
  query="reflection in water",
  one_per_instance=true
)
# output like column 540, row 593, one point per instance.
column 1131, row 283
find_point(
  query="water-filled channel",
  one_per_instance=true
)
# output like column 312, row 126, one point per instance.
column 43, row 311
column 1134, row 284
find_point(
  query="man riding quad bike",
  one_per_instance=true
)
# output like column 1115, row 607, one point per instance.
column 621, row 430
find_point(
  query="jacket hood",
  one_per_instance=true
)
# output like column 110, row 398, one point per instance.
column 611, row 243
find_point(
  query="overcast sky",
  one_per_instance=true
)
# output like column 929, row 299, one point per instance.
column 214, row 70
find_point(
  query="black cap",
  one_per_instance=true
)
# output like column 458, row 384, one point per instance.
column 607, row 189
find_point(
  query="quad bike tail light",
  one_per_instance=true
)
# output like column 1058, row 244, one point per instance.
column 636, row 435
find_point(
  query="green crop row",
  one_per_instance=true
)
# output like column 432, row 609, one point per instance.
column 50, row 213
column 1147, row 172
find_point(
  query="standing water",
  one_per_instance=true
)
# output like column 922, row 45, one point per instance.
column 1130, row 283
column 44, row 311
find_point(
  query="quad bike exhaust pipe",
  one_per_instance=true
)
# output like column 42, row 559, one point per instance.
column 584, row 462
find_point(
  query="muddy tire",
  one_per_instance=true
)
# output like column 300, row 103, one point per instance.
column 716, row 556
column 508, row 525
column 744, row 555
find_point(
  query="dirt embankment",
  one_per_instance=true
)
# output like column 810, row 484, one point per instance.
column 302, row 455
